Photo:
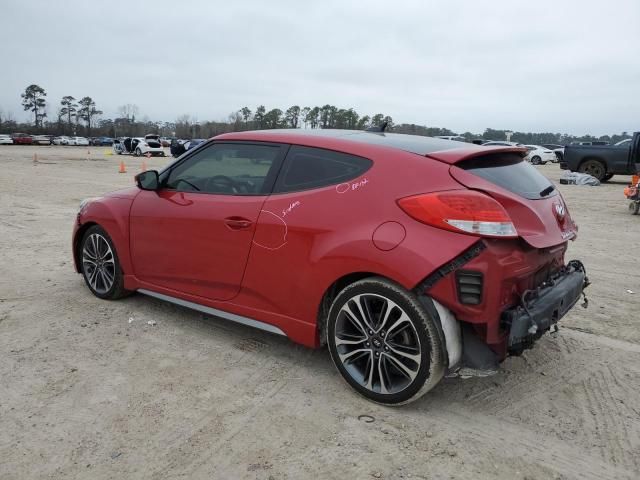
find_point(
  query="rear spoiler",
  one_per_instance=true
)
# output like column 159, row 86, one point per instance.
column 457, row 155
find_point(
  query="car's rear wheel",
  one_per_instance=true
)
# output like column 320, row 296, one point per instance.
column 595, row 168
column 384, row 343
column 100, row 266
column 536, row 160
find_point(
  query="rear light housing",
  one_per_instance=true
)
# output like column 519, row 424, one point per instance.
column 462, row 211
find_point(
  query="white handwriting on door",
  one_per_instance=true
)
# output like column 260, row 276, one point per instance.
column 290, row 208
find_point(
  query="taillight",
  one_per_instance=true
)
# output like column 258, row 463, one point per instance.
column 465, row 211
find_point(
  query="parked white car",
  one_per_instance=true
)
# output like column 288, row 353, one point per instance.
column 6, row 140
column 42, row 140
column 539, row 155
column 455, row 138
column 81, row 141
column 61, row 140
column 137, row 146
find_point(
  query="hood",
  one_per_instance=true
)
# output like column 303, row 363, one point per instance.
column 127, row 193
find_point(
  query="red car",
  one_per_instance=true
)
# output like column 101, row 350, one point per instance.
column 408, row 256
column 22, row 139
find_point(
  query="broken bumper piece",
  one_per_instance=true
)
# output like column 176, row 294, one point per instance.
column 543, row 307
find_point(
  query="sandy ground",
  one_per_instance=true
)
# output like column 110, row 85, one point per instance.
column 87, row 393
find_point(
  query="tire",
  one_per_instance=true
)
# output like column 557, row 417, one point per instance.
column 100, row 265
column 607, row 177
column 137, row 152
column 536, row 160
column 634, row 207
column 367, row 353
column 595, row 168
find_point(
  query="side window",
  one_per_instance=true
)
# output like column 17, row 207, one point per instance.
column 307, row 168
column 227, row 169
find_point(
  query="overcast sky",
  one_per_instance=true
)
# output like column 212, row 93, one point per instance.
column 567, row 66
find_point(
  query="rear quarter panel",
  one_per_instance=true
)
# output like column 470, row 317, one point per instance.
column 307, row 240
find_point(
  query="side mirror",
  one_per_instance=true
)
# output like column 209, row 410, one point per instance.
column 148, row 180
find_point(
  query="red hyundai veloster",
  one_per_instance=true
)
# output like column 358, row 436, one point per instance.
column 408, row 256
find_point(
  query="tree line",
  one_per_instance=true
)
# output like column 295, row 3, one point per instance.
column 82, row 117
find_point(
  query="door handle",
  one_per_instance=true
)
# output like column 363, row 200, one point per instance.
column 237, row 223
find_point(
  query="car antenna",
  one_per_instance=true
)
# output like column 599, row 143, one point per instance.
column 378, row 128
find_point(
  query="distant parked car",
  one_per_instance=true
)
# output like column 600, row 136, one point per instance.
column 6, row 140
column 80, row 141
column 139, row 146
column 42, row 139
column 165, row 141
column 558, row 150
column 603, row 161
column 539, row 156
column 551, row 146
column 102, row 141
column 22, row 139
column 61, row 140
column 500, row 143
column 595, row 142
column 456, row 138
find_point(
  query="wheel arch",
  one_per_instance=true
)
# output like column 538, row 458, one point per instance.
column 597, row 159
column 331, row 293
column 76, row 243
column 112, row 215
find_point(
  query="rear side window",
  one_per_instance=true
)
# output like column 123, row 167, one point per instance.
column 512, row 173
column 307, row 168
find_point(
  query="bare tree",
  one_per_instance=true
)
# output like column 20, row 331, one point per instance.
column 128, row 111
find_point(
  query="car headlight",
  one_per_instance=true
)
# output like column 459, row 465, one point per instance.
column 86, row 201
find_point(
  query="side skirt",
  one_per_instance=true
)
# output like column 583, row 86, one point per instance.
column 215, row 312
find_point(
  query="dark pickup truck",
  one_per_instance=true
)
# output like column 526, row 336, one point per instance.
column 603, row 161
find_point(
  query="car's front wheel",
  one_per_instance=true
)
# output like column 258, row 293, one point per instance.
column 384, row 343
column 138, row 152
column 100, row 266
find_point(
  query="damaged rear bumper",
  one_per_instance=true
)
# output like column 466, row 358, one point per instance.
column 542, row 308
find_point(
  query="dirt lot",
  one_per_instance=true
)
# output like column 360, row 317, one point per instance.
column 89, row 390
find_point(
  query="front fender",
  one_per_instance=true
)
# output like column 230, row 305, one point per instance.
column 112, row 214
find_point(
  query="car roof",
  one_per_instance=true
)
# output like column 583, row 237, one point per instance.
column 417, row 144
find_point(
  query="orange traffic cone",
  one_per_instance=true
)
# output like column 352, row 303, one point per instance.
column 35, row 158
column 122, row 169
column 144, row 166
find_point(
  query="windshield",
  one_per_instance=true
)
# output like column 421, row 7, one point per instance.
column 626, row 141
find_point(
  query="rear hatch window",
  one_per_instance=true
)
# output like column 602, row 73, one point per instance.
column 512, row 173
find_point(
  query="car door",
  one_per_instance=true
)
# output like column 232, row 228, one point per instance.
column 194, row 234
